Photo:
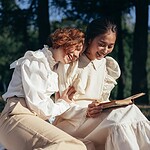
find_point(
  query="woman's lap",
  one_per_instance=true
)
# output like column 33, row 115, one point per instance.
column 121, row 121
column 27, row 131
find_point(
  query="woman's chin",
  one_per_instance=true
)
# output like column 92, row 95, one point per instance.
column 100, row 57
column 66, row 61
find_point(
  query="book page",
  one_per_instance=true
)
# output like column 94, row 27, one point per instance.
column 135, row 96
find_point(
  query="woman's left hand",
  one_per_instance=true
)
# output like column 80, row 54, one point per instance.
column 68, row 94
column 93, row 110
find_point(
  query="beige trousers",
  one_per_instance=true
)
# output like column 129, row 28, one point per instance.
column 20, row 129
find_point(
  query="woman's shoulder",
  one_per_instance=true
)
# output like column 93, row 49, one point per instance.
column 111, row 61
column 29, row 56
column 112, row 67
column 34, row 54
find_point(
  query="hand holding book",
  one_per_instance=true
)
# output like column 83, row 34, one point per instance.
column 119, row 103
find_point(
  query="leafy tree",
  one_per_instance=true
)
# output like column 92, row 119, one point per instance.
column 7, row 45
column 15, row 38
column 27, row 28
column 43, row 21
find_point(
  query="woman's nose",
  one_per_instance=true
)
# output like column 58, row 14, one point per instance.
column 76, row 55
column 105, row 50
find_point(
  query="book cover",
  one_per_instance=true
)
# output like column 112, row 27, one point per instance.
column 119, row 103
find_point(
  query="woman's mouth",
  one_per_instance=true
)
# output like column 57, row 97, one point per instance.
column 100, row 55
column 70, row 57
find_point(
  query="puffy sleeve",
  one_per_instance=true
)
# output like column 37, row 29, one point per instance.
column 112, row 74
column 39, row 83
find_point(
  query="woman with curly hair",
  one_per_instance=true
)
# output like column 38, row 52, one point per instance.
column 29, row 104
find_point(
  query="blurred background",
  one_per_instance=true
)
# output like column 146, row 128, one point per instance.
column 26, row 24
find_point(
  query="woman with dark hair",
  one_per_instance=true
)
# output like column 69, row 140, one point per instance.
column 94, row 76
column 23, row 124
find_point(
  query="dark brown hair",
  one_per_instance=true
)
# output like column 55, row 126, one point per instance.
column 99, row 26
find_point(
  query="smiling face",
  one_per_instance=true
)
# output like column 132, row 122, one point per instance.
column 101, row 45
column 73, row 54
column 68, row 54
column 67, row 44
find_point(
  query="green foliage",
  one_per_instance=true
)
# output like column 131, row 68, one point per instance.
column 32, row 39
column 18, row 34
column 11, row 48
column 148, row 63
column 89, row 9
column 8, row 53
column 127, row 46
column 68, row 23
column 19, row 31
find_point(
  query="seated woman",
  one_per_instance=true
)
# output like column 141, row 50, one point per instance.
column 94, row 76
column 29, row 103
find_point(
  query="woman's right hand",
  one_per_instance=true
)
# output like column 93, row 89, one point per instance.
column 68, row 94
column 94, row 110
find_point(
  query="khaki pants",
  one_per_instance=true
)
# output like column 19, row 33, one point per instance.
column 20, row 129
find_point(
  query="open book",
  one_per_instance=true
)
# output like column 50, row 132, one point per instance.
column 119, row 103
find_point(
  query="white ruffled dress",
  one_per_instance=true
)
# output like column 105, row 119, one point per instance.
column 124, row 128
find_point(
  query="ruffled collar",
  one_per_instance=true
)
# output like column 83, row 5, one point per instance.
column 48, row 54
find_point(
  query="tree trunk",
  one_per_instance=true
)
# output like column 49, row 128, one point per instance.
column 121, row 56
column 43, row 21
column 139, row 58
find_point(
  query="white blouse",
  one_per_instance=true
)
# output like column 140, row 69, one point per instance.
column 113, row 129
column 34, row 79
column 86, row 75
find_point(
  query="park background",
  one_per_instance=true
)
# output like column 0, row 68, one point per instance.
column 26, row 24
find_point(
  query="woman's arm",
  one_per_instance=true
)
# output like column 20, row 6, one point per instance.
column 39, row 84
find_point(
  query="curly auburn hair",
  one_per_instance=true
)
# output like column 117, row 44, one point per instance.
column 66, row 38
